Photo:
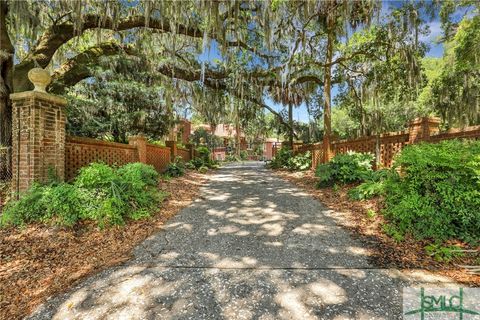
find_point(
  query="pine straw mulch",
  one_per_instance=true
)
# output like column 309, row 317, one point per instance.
column 40, row 261
column 386, row 252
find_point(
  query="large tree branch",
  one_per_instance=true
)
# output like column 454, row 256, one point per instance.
column 215, row 83
column 58, row 34
column 78, row 68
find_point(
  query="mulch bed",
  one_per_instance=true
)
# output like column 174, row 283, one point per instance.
column 39, row 261
column 386, row 252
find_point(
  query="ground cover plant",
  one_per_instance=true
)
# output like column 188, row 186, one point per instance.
column 390, row 248
column 40, row 260
column 203, row 160
column 176, row 168
column 280, row 160
column 345, row 168
column 101, row 193
column 285, row 159
column 231, row 157
column 436, row 193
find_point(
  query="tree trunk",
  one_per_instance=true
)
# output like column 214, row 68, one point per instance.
column 6, row 72
column 327, row 113
column 290, row 123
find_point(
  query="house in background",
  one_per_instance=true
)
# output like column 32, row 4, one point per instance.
column 182, row 131
column 228, row 133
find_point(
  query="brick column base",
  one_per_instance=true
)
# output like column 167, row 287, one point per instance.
column 140, row 142
column 38, row 138
column 173, row 149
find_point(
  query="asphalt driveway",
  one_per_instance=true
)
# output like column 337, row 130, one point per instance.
column 253, row 246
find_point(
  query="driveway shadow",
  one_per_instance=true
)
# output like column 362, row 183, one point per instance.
column 252, row 247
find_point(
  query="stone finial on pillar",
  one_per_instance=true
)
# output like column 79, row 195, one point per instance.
column 38, row 137
column 140, row 142
column 40, row 79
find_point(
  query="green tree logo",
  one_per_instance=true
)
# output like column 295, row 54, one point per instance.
column 441, row 303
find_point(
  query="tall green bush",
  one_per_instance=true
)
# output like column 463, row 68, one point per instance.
column 176, row 168
column 101, row 193
column 345, row 168
column 302, row 161
column 281, row 158
column 437, row 192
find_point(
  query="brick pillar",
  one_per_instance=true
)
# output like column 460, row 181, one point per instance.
column 38, row 146
column 140, row 142
column 191, row 150
column 421, row 129
column 187, row 131
column 173, row 149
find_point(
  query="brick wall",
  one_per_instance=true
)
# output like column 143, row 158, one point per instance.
column 465, row 133
column 80, row 152
column 390, row 144
column 184, row 153
column 158, row 156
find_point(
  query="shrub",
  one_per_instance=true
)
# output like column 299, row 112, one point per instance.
column 243, row 155
column 176, row 168
column 203, row 169
column 443, row 253
column 101, row 193
column 281, row 158
column 232, row 158
column 203, row 159
column 190, row 165
column 203, row 153
column 367, row 190
column 302, row 161
column 197, row 163
column 345, row 168
column 373, row 186
column 437, row 193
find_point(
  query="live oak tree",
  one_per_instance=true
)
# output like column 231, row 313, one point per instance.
column 47, row 34
column 380, row 94
column 291, row 51
column 120, row 99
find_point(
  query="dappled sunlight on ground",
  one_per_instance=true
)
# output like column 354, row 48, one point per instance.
column 252, row 247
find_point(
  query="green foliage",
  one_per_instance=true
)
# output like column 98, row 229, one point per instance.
column 371, row 214
column 232, row 158
column 443, row 253
column 190, row 165
column 302, row 161
column 203, row 154
column 373, row 186
column 203, row 159
column 210, row 139
column 393, row 232
column 176, row 168
column 100, row 193
column 437, row 194
column 122, row 98
column 281, row 158
column 203, row 169
column 243, row 155
column 367, row 190
column 345, row 168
